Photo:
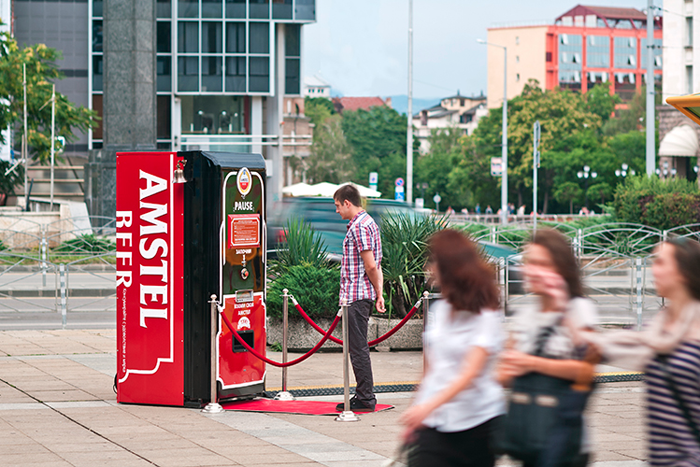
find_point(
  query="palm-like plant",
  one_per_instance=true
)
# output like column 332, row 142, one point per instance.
column 405, row 249
column 304, row 246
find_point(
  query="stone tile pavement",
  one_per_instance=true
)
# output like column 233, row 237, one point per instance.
column 57, row 408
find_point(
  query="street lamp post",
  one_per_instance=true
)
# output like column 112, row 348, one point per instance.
column 504, row 143
column 624, row 170
column 586, row 174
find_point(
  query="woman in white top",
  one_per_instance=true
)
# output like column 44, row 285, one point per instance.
column 450, row 422
column 547, row 340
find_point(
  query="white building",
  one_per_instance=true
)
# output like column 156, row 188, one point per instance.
column 6, row 20
column 316, row 87
column 678, row 149
column 452, row 112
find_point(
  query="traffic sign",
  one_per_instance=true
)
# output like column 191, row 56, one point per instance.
column 496, row 166
column 399, row 196
column 399, row 181
column 437, row 198
column 373, row 178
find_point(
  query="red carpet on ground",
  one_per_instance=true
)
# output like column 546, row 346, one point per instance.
column 292, row 407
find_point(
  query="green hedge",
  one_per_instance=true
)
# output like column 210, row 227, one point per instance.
column 662, row 204
column 316, row 289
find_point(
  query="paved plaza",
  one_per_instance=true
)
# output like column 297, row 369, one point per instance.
column 57, row 408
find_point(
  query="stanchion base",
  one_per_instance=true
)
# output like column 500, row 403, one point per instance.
column 213, row 407
column 284, row 396
column 347, row 416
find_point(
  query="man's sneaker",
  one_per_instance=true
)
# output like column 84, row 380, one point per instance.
column 356, row 405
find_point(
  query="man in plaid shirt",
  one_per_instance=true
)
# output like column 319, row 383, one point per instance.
column 361, row 282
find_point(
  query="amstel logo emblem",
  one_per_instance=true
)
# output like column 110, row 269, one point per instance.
column 244, row 181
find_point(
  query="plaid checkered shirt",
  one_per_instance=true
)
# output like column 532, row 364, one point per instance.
column 363, row 235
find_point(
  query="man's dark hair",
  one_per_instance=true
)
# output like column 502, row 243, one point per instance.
column 350, row 193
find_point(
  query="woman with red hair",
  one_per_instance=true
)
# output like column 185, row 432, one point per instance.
column 452, row 417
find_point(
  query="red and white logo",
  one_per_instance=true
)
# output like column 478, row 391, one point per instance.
column 244, row 181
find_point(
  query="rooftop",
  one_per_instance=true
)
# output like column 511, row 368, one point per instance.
column 606, row 12
column 355, row 103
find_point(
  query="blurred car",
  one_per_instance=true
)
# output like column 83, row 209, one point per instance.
column 320, row 214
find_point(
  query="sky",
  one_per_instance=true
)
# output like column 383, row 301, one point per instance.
column 360, row 47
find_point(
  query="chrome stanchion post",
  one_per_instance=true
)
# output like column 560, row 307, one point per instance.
column 347, row 415
column 213, row 406
column 284, row 395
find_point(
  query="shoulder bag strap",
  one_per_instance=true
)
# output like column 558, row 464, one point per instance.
column 677, row 396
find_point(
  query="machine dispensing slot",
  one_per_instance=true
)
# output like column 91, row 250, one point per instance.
column 244, row 296
column 248, row 337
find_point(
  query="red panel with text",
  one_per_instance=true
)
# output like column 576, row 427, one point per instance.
column 149, row 280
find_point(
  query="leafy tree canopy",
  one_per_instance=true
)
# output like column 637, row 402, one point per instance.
column 42, row 71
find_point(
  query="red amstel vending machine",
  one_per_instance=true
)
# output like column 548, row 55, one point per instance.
column 189, row 225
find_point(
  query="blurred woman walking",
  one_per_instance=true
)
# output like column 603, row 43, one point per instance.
column 451, row 420
column 548, row 365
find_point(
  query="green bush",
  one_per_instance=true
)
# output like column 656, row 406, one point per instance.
column 303, row 246
column 404, row 252
column 86, row 244
column 316, row 288
column 662, row 204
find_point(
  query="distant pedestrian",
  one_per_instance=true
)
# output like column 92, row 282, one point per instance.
column 450, row 423
column 477, row 209
column 488, row 209
column 361, row 283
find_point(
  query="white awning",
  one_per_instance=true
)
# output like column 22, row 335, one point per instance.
column 681, row 141
column 326, row 189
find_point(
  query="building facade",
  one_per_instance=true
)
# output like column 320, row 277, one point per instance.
column 679, row 153
column 455, row 111
column 225, row 68
column 584, row 47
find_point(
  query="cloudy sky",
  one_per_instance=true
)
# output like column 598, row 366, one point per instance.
column 361, row 46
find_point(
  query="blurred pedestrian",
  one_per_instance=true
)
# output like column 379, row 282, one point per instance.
column 669, row 351
column 451, row 420
column 548, row 365
column 477, row 209
column 361, row 283
column 488, row 209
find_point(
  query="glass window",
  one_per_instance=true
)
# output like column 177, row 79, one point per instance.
column 601, row 23
column 97, row 35
column 188, row 8
column 259, row 38
column 305, row 9
column 625, row 52
column 598, row 52
column 97, row 8
column 212, row 8
column 213, row 114
column 292, row 72
column 211, row 74
column 163, row 9
column 163, row 117
column 188, row 74
column 188, row 37
column 235, row 74
column 259, row 74
column 259, row 8
column 163, row 67
column 235, row 9
column 97, row 72
column 282, row 9
column 163, row 36
column 212, row 41
column 623, row 24
column 235, row 38
column 292, row 42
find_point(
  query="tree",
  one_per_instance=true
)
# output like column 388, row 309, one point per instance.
column 600, row 191
column 330, row 159
column 377, row 138
column 568, row 192
column 318, row 109
column 42, row 71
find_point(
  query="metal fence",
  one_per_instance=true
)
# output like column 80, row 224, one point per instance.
column 615, row 259
column 69, row 266
column 62, row 267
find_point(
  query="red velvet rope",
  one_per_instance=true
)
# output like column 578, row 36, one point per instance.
column 272, row 362
column 371, row 343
